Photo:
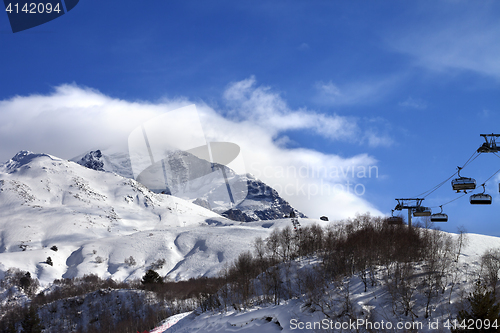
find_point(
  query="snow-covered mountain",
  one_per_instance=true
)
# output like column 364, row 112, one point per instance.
column 357, row 309
column 110, row 161
column 261, row 203
column 194, row 179
column 97, row 220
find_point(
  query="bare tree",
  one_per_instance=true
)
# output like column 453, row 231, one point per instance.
column 490, row 264
column 438, row 258
column 402, row 286
column 273, row 245
column 462, row 240
column 285, row 243
column 260, row 248
column 244, row 272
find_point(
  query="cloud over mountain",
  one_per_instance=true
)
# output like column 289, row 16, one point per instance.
column 74, row 119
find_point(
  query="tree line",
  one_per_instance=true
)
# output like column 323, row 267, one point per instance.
column 314, row 263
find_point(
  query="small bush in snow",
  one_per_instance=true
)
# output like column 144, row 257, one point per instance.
column 130, row 261
column 25, row 281
column 49, row 261
column 158, row 264
column 99, row 260
column 54, row 248
column 21, row 279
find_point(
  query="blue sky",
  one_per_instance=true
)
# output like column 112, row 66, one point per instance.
column 406, row 86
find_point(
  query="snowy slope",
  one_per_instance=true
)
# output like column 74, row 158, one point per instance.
column 197, row 181
column 97, row 220
column 116, row 162
column 372, row 306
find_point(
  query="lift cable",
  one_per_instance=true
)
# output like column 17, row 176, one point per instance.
column 450, row 201
column 436, row 187
column 483, row 185
column 470, row 160
column 491, row 176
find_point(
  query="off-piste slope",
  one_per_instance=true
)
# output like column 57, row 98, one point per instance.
column 106, row 224
column 372, row 311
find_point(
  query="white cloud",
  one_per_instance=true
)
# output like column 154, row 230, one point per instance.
column 484, row 113
column 414, row 103
column 73, row 120
column 465, row 38
column 360, row 92
column 374, row 139
column 304, row 46
column 329, row 90
column 267, row 109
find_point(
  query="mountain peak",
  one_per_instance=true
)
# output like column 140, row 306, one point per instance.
column 25, row 156
column 92, row 160
column 194, row 179
column 22, row 158
column 104, row 160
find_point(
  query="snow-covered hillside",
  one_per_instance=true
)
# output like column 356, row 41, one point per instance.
column 98, row 220
column 196, row 180
column 116, row 162
column 374, row 307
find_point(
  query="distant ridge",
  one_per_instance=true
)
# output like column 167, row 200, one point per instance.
column 261, row 203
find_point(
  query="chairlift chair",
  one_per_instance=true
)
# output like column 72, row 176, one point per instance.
column 463, row 183
column 394, row 220
column 480, row 198
column 422, row 211
column 439, row 217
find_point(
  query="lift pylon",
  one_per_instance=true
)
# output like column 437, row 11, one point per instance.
column 412, row 204
column 490, row 146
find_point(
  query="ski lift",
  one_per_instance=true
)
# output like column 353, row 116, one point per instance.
column 463, row 183
column 490, row 146
column 439, row 217
column 481, row 198
column 394, row 220
column 422, row 211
